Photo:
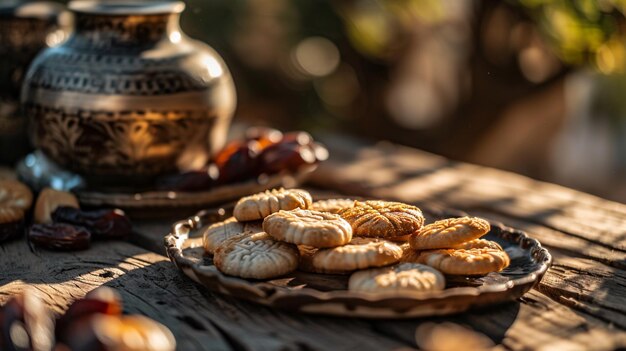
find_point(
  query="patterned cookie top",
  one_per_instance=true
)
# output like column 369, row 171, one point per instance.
column 214, row 235
column 403, row 278
column 448, row 233
column 383, row 218
column 360, row 253
column 15, row 194
column 256, row 256
column 306, row 227
column 261, row 205
column 332, row 205
column 465, row 261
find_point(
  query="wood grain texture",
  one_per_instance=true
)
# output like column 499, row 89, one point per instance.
column 405, row 174
column 151, row 285
column 586, row 234
column 580, row 304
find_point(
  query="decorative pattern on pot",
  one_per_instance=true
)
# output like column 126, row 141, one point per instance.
column 128, row 94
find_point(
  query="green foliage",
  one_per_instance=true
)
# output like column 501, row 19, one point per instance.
column 584, row 31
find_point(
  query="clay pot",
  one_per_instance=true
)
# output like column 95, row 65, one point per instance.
column 128, row 96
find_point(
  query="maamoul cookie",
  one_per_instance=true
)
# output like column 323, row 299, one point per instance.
column 401, row 278
column 465, row 262
column 409, row 255
column 400, row 239
column 360, row 253
column 478, row 244
column 11, row 223
column 261, row 205
column 382, row 218
column 15, row 194
column 306, row 227
column 256, row 256
column 217, row 233
column 449, row 232
column 332, row 205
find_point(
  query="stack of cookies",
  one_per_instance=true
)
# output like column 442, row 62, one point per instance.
column 384, row 245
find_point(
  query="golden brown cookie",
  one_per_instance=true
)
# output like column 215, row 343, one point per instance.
column 383, row 219
column 449, row 232
column 400, row 239
column 306, row 227
column 11, row 223
column 409, row 255
column 332, row 205
column 256, row 256
column 48, row 201
column 15, row 194
column 478, row 244
column 465, row 262
column 360, row 253
column 261, row 205
column 214, row 235
column 401, row 278
column 217, row 233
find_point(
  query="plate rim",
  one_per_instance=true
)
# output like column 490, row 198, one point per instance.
column 177, row 198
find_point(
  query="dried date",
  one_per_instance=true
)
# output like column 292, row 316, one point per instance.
column 320, row 151
column 264, row 136
column 102, row 300
column 288, row 156
column 102, row 224
column 48, row 200
column 238, row 161
column 59, row 236
column 300, row 138
column 113, row 333
column 190, row 181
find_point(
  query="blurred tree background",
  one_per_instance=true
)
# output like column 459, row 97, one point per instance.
column 532, row 86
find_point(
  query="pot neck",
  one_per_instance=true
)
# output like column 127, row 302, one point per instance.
column 131, row 31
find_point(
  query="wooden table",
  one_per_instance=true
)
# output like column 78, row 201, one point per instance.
column 580, row 304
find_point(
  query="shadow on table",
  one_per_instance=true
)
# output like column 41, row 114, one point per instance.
column 161, row 292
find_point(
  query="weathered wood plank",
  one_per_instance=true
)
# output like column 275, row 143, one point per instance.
column 151, row 285
column 554, row 239
column 588, row 286
column 391, row 171
column 586, row 234
column 538, row 323
column 63, row 277
column 579, row 305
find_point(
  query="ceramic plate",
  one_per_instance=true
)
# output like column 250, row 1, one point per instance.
column 39, row 172
column 164, row 200
column 327, row 294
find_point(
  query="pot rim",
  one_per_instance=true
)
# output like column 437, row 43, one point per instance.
column 39, row 9
column 118, row 8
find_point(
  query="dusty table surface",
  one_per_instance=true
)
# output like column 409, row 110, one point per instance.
column 580, row 304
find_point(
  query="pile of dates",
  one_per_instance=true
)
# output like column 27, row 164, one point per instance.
column 73, row 228
column 62, row 225
column 93, row 323
column 263, row 151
